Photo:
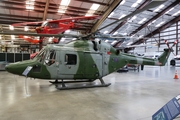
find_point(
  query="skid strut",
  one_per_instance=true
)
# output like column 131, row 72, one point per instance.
column 64, row 87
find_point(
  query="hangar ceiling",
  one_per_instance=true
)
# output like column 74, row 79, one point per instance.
column 144, row 24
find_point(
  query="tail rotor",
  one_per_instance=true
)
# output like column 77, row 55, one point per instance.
column 175, row 42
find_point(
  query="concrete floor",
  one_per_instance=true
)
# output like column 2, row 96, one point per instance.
column 131, row 96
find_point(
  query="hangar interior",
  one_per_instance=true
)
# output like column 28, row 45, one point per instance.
column 133, row 95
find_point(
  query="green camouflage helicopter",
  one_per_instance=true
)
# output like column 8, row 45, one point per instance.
column 82, row 60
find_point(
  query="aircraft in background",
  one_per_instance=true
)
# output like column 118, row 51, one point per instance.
column 83, row 60
column 53, row 27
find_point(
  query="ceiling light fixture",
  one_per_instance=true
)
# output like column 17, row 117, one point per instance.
column 12, row 37
column 123, row 15
column 30, row 4
column 111, row 15
column 176, row 13
column 136, row 3
column 26, row 28
column 115, row 33
column 63, row 6
column 144, row 19
column 92, row 10
column 105, row 32
column 169, row 10
column 122, row 2
column 11, row 27
column 133, row 18
column 157, row 9
column 160, row 24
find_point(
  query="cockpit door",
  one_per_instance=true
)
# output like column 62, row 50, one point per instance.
column 50, row 62
column 69, row 64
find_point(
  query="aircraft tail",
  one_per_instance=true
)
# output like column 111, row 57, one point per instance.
column 164, row 56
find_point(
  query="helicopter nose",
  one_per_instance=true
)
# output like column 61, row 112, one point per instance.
column 11, row 68
column 8, row 68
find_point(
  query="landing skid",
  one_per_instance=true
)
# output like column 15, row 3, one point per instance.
column 76, row 81
column 64, row 87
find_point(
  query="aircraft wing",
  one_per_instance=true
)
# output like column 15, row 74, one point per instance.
column 76, row 19
column 28, row 23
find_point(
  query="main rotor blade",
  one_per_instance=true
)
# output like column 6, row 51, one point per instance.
column 153, row 4
column 35, row 34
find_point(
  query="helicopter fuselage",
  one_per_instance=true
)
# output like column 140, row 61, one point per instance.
column 80, row 59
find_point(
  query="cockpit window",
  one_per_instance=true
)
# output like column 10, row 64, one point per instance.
column 50, row 58
column 53, row 25
column 44, row 23
column 71, row 59
column 40, row 55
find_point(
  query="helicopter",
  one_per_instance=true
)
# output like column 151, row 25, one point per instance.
column 82, row 60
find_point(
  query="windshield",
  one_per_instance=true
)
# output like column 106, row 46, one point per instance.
column 44, row 23
column 41, row 54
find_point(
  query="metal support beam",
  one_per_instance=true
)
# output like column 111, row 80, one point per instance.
column 105, row 15
column 155, row 17
column 125, row 21
column 168, row 24
column 45, row 10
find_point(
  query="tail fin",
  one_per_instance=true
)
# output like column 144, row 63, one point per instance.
column 164, row 56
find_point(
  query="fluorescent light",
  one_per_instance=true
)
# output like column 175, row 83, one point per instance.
column 115, row 33
column 130, row 43
column 176, row 13
column 139, row 1
column 94, row 6
column 169, row 10
column 26, row 28
column 89, row 14
column 141, row 36
column 133, row 18
column 124, row 33
column 159, row 24
column 111, row 15
column 63, row 6
column 152, row 22
column 50, row 39
column 122, row 2
column 123, row 15
column 157, row 9
column 113, row 42
column 144, row 19
column 65, row 2
column 136, row 3
column 106, row 40
column 11, row 27
column 63, row 39
column 105, row 32
column 13, row 37
column 92, row 10
column 61, row 11
column 30, row 5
